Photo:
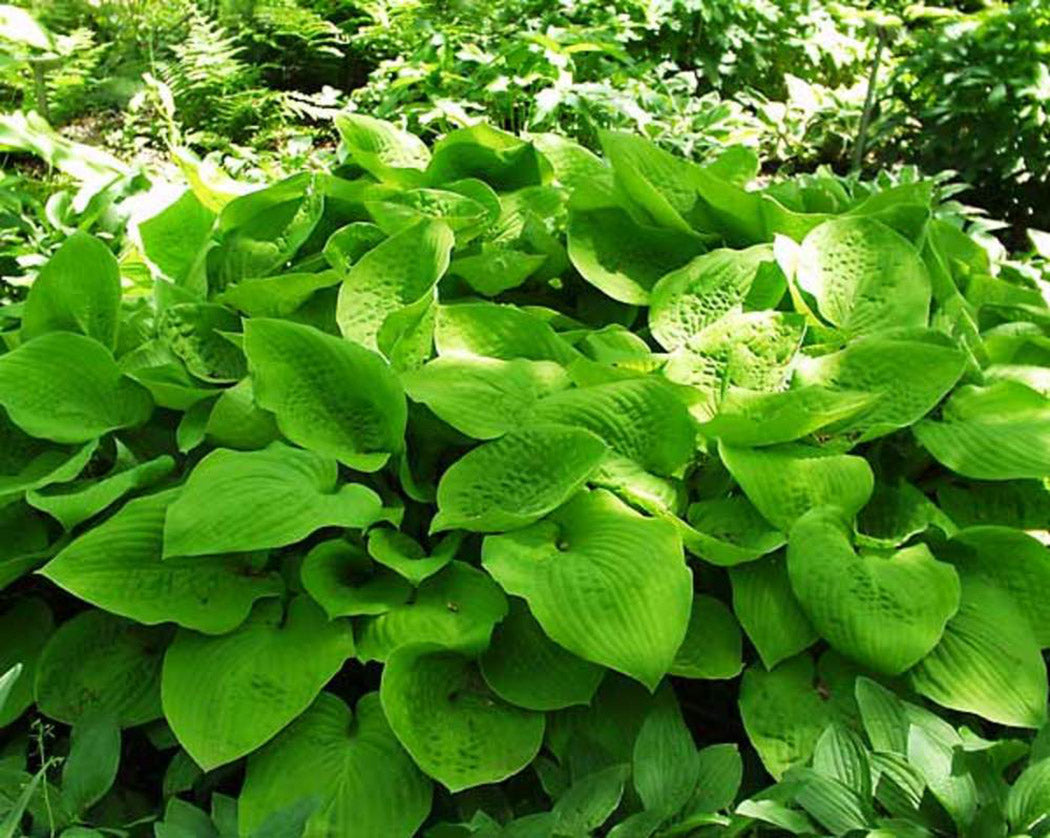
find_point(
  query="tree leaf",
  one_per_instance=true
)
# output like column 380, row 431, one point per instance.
column 117, row 566
column 329, row 395
column 516, row 479
column 67, row 388
column 237, row 501
column 455, row 728
column 579, row 573
column 364, row 782
column 225, row 696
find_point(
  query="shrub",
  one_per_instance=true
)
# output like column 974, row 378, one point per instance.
column 502, row 483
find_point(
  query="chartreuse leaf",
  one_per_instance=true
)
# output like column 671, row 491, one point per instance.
column 841, row 755
column 620, row 257
column 400, row 271
column 237, row 501
column 836, row 807
column 752, row 419
column 516, row 479
column 579, row 573
column 456, row 729
column 851, row 598
column 1013, row 561
column 884, row 717
column 895, row 513
column 495, row 270
column 786, row 481
column 97, row 664
column 349, row 243
column 196, row 333
column 176, row 238
column 345, row 582
column 456, row 607
column 498, row 331
column 769, row 611
column 76, row 290
column 236, row 421
column 665, row 764
column 351, row 763
column 483, row 397
column 406, row 557
column 397, row 211
column 382, row 149
column 525, row 667
column 934, row 758
column 783, row 713
column 67, row 388
column 24, row 630
column 865, row 277
column 988, row 661
column 117, row 566
column 643, row 419
column 729, row 531
column 712, row 645
column 277, row 296
column 1029, row 802
column 718, row 778
column 225, row 696
column 74, row 502
column 481, row 151
column 688, row 300
column 1000, row 432
column 329, row 395
column 906, row 376
column 27, row 463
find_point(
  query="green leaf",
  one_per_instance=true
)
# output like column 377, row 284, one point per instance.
column 769, row 611
column 455, row 728
column 841, row 755
column 75, row 502
column 712, row 645
column 76, row 290
column 831, row 804
column 729, row 531
column 720, row 773
column 225, row 696
column 501, row 160
column 865, row 277
column 516, row 479
column 277, row 296
column 406, row 557
column 400, row 271
column 236, row 421
column 345, row 582
column 1029, row 802
column 91, row 767
column 783, row 713
column 238, row 501
column 362, row 779
column 483, row 397
column 495, row 270
column 578, row 571
column 884, row 717
column 589, row 802
column 666, row 764
column 935, row 760
column 97, row 664
column 456, row 607
column 1001, row 432
column 176, row 240
column 688, row 300
column 329, row 395
column 117, row 566
column 24, row 630
column 197, row 334
column 851, row 598
column 382, row 149
column 907, row 375
column 786, row 481
column 620, row 257
column 67, row 388
column 643, row 419
column 525, row 667
column 988, row 661
column 749, row 420
column 27, row 463
column 498, row 331
column 1012, row 561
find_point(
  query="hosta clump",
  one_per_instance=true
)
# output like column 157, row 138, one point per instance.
column 502, row 489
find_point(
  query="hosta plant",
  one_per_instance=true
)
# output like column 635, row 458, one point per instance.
column 502, row 489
